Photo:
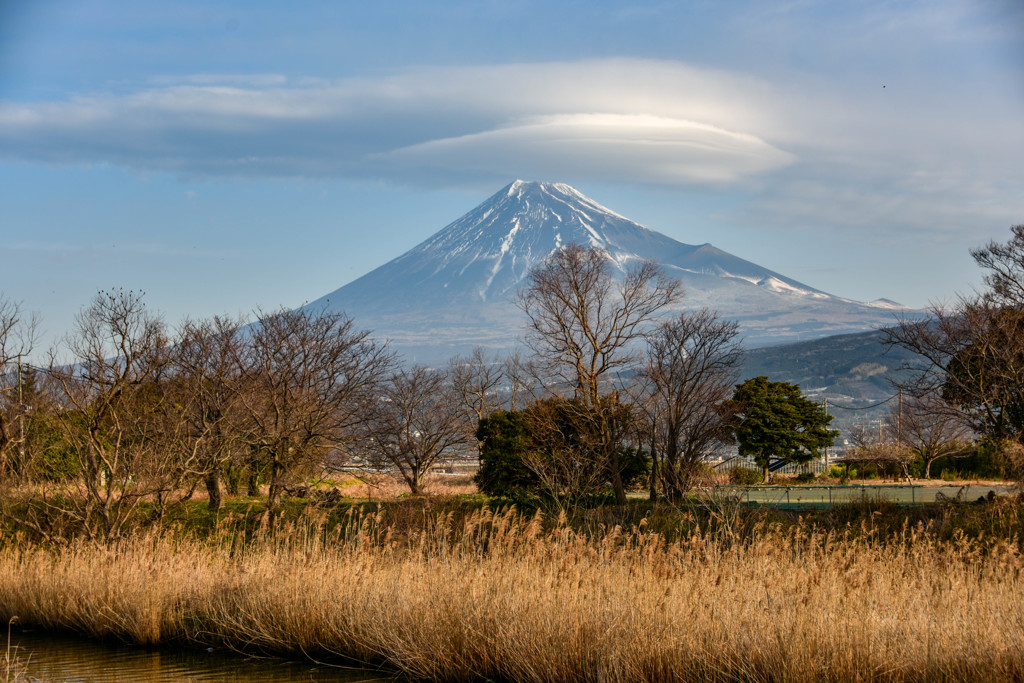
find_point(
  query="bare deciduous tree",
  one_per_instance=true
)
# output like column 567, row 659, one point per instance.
column 973, row 356
column 207, row 370
column 144, row 418
column 18, row 331
column 691, row 365
column 476, row 380
column 114, row 414
column 1005, row 266
column 870, row 434
column 582, row 324
column 308, row 379
column 881, row 453
column 416, row 422
column 30, row 407
column 581, row 321
column 877, row 443
column 972, row 353
column 932, row 428
column 522, row 381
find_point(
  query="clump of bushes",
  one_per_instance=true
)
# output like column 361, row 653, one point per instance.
column 536, row 452
column 744, row 476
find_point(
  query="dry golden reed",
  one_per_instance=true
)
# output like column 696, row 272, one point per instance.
column 499, row 598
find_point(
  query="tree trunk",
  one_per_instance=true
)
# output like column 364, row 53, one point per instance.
column 232, row 480
column 906, row 473
column 620, row 490
column 274, row 491
column 670, row 472
column 273, row 496
column 654, row 472
column 213, row 490
column 253, row 483
column 3, row 453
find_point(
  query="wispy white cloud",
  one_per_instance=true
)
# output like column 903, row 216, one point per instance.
column 808, row 153
column 888, row 211
column 642, row 148
column 679, row 123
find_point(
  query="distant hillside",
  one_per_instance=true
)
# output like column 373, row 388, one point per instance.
column 854, row 370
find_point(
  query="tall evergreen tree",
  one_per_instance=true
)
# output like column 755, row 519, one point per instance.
column 774, row 420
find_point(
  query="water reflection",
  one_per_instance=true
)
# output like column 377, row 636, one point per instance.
column 43, row 657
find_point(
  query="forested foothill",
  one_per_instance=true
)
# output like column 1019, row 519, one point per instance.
column 287, row 483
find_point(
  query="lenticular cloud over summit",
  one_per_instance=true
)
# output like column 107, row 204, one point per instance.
column 609, row 118
column 454, row 291
column 645, row 148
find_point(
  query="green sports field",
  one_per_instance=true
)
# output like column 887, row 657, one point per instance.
column 818, row 496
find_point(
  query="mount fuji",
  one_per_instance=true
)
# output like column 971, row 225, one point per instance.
column 454, row 291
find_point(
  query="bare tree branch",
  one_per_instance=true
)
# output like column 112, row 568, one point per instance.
column 308, row 379
column 416, row 422
column 582, row 325
column 691, row 365
column 18, row 334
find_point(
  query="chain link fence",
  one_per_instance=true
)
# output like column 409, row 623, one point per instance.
column 827, row 496
column 726, row 465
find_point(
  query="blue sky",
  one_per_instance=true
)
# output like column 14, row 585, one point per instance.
column 226, row 156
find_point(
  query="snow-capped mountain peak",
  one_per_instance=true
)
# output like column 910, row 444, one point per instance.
column 454, row 290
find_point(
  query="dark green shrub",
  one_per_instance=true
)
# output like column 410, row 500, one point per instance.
column 58, row 464
column 805, row 477
column 553, row 434
column 504, row 439
column 744, row 476
column 636, row 467
column 984, row 463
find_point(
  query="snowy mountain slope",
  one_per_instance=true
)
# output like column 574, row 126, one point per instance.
column 453, row 291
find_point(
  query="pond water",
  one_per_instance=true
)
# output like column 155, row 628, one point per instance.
column 58, row 658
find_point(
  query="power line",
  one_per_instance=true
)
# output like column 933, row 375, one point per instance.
column 873, row 405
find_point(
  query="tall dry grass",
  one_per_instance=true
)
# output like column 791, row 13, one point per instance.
column 12, row 667
column 499, row 598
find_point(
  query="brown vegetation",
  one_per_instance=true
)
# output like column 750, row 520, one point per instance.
column 129, row 416
column 685, row 384
column 138, row 420
column 496, row 596
column 416, row 421
column 971, row 353
column 581, row 324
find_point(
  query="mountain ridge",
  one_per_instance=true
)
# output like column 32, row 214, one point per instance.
column 453, row 290
column 857, row 373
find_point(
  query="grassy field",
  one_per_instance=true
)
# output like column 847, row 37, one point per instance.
column 454, row 591
column 826, row 495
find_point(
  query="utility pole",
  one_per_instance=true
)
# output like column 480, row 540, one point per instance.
column 824, row 409
column 899, row 420
column 21, row 417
